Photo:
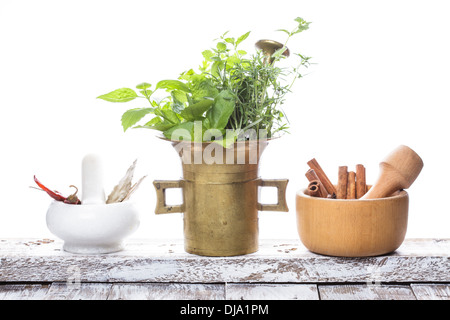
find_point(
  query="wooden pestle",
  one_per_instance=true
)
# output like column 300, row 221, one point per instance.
column 397, row 171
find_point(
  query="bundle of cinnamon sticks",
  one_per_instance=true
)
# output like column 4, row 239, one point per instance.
column 351, row 184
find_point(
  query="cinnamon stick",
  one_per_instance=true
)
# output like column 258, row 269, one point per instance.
column 360, row 181
column 311, row 175
column 313, row 164
column 342, row 183
column 351, row 185
column 314, row 188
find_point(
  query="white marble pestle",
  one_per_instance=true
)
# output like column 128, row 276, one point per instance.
column 92, row 180
column 93, row 227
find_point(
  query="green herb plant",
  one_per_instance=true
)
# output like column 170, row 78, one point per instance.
column 230, row 93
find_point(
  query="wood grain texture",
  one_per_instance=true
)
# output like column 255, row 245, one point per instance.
column 167, row 291
column 78, row 291
column 352, row 228
column 265, row 291
column 397, row 171
column 23, row 291
column 366, row 292
column 282, row 261
column 431, row 291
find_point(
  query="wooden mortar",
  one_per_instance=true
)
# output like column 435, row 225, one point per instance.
column 352, row 228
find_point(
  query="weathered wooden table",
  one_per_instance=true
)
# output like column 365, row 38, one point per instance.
column 281, row 269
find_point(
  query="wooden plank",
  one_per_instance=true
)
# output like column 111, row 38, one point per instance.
column 366, row 292
column 431, row 291
column 80, row 291
column 265, row 291
column 23, row 291
column 167, row 291
column 279, row 261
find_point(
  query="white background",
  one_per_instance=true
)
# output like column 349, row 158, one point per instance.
column 381, row 79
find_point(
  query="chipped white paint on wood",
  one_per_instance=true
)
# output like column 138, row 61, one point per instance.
column 431, row 291
column 23, row 291
column 283, row 261
column 167, row 291
column 78, row 291
column 267, row 291
column 366, row 292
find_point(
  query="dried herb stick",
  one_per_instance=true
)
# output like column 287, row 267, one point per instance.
column 361, row 187
column 313, row 164
column 342, row 182
column 311, row 175
column 351, row 185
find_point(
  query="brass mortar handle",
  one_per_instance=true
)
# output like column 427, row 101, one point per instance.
column 281, row 185
column 161, row 186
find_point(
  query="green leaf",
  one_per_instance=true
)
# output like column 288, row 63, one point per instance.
column 196, row 111
column 172, row 85
column 179, row 96
column 215, row 68
column 202, row 87
column 279, row 52
column 157, row 124
column 154, row 121
column 183, row 131
column 132, row 116
column 284, row 30
column 221, row 111
column 228, row 139
column 119, row 95
column 186, row 75
column 242, row 38
column 302, row 25
column 168, row 114
column 179, row 99
column 232, row 60
column 143, row 85
column 207, row 54
column 146, row 93
column 230, row 40
column 242, row 52
column 221, row 46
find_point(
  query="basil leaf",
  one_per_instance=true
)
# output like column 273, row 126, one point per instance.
column 229, row 40
column 132, row 116
column 168, row 114
column 242, row 38
column 119, row 95
column 202, row 87
column 207, row 54
column 172, row 85
column 221, row 46
column 183, row 131
column 221, row 111
column 143, row 85
column 179, row 99
column 195, row 111
column 157, row 124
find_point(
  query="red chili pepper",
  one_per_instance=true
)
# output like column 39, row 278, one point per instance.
column 54, row 194
column 72, row 199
